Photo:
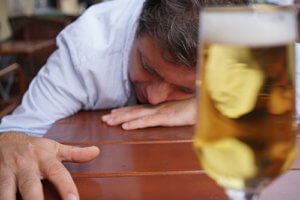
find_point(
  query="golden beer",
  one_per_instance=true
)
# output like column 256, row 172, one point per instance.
column 245, row 135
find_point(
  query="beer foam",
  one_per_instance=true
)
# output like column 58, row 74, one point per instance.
column 248, row 28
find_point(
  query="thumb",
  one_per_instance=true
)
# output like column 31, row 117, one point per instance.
column 77, row 154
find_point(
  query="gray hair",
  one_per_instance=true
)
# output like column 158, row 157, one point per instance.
column 174, row 26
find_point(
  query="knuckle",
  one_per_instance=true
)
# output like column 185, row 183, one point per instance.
column 164, row 115
column 41, row 154
column 134, row 112
column 140, row 121
column 20, row 161
column 55, row 169
column 161, row 119
column 148, row 118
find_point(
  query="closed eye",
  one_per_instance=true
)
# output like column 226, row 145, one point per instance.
column 152, row 71
column 148, row 68
column 187, row 90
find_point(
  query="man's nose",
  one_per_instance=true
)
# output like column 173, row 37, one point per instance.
column 158, row 92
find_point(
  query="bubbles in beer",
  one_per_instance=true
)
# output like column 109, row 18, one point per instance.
column 246, row 100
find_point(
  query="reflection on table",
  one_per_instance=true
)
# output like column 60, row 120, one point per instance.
column 153, row 163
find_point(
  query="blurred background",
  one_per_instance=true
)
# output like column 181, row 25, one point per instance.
column 28, row 29
column 42, row 8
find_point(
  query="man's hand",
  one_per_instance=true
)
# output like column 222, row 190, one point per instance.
column 173, row 113
column 25, row 160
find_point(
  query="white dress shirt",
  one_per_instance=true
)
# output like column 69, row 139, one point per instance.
column 88, row 71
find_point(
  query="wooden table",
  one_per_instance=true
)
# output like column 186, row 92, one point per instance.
column 153, row 163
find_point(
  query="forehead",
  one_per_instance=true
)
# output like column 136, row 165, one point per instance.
column 170, row 72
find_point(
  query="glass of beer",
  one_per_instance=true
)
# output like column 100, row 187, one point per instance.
column 246, row 129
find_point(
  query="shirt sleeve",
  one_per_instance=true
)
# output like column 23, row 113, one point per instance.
column 56, row 92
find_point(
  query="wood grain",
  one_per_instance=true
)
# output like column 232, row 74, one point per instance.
column 181, row 187
column 154, row 163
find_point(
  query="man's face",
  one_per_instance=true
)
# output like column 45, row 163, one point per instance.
column 156, row 80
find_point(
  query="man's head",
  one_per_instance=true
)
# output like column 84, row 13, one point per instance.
column 164, row 55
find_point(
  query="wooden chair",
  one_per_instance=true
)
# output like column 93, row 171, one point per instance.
column 37, row 27
column 33, row 40
column 8, row 105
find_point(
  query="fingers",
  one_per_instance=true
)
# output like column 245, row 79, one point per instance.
column 121, row 115
column 126, row 109
column 29, row 184
column 172, row 113
column 147, row 121
column 33, row 158
column 7, row 185
column 59, row 175
column 56, row 173
column 77, row 154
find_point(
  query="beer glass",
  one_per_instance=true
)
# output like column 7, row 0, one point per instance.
column 245, row 134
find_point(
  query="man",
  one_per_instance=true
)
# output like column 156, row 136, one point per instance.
column 111, row 57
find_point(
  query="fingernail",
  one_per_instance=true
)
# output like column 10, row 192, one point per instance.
column 110, row 121
column 105, row 117
column 72, row 197
column 92, row 147
column 125, row 126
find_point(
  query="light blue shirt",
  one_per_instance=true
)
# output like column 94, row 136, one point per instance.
column 88, row 71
